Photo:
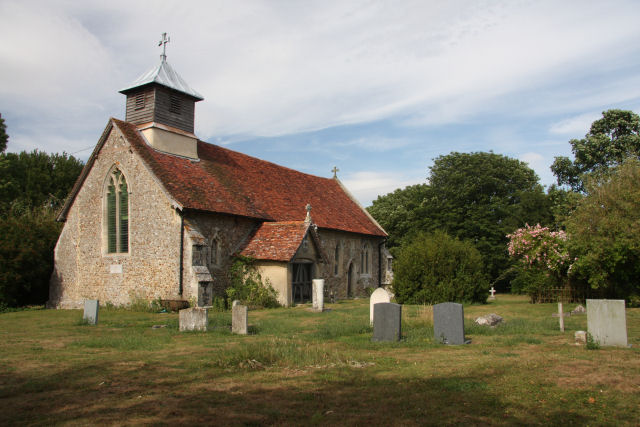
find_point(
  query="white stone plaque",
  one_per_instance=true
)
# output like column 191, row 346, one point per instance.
column 115, row 269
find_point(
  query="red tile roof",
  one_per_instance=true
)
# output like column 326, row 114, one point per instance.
column 229, row 182
column 276, row 241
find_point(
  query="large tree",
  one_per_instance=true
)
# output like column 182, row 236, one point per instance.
column 4, row 138
column 36, row 178
column 604, row 234
column 611, row 139
column 480, row 197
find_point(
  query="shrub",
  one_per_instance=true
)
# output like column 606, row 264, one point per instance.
column 248, row 286
column 542, row 260
column 436, row 268
column 27, row 239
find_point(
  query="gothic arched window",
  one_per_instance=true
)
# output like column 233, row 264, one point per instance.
column 365, row 259
column 214, row 251
column 117, row 213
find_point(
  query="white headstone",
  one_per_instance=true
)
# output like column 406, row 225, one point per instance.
column 194, row 319
column 493, row 293
column 91, row 307
column 239, row 319
column 318, row 294
column 380, row 295
column 607, row 322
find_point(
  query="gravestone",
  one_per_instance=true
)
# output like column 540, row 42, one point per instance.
column 194, row 319
column 607, row 322
column 448, row 323
column 91, row 307
column 581, row 337
column 317, row 294
column 491, row 319
column 387, row 323
column 493, row 293
column 239, row 321
column 380, row 295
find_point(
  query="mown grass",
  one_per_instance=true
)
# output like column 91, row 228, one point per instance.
column 300, row 367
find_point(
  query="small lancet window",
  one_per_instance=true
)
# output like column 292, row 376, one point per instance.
column 117, row 213
column 365, row 259
column 336, row 268
column 214, row 252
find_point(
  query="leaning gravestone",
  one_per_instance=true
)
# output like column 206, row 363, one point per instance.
column 380, row 295
column 194, row 319
column 607, row 322
column 387, row 323
column 448, row 323
column 318, row 294
column 239, row 321
column 91, row 307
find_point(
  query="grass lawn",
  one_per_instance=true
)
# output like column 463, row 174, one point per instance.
column 300, row 367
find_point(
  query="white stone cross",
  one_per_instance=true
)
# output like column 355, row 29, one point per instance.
column 493, row 293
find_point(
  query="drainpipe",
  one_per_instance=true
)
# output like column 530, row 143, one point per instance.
column 380, row 261
column 181, row 251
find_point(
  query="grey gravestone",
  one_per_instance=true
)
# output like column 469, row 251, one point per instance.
column 239, row 314
column 387, row 324
column 607, row 322
column 91, row 307
column 194, row 319
column 380, row 295
column 318, row 294
column 448, row 323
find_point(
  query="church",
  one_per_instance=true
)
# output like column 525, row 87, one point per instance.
column 158, row 214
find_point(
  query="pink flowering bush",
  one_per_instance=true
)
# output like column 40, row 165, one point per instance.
column 542, row 259
column 540, row 248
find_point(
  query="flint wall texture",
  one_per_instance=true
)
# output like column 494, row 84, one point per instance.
column 83, row 268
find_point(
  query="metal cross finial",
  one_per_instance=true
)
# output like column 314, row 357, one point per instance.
column 335, row 171
column 163, row 43
column 308, row 207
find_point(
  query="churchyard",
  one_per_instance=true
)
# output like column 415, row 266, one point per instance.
column 300, row 366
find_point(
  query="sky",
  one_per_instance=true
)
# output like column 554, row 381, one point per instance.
column 376, row 88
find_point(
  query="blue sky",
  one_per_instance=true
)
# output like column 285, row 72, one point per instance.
column 376, row 88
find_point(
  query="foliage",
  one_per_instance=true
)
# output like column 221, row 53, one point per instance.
column 611, row 139
column 4, row 138
column 27, row 239
column 437, row 268
column 604, row 234
column 539, row 247
column 479, row 197
column 401, row 213
column 247, row 285
column 36, row 178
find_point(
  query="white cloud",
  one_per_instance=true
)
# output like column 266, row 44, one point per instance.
column 366, row 186
column 274, row 68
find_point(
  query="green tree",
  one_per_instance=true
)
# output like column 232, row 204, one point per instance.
column 36, row 178
column 611, row 139
column 604, row 234
column 399, row 213
column 437, row 268
column 4, row 138
column 27, row 240
column 482, row 197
